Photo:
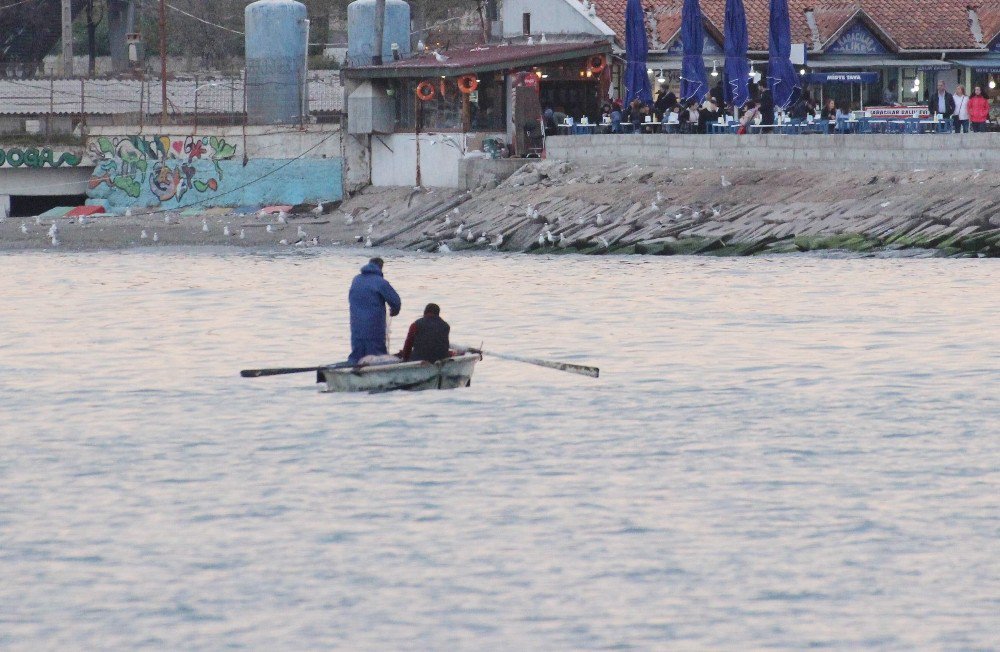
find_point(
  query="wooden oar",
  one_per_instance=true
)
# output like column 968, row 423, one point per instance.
column 582, row 370
column 260, row 373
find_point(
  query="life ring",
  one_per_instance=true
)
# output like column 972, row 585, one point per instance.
column 425, row 91
column 468, row 83
column 596, row 64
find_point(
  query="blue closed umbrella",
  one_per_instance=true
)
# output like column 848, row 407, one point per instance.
column 694, row 80
column 636, row 52
column 781, row 77
column 737, row 44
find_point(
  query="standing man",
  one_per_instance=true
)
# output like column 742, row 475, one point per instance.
column 368, row 297
column 942, row 102
column 427, row 340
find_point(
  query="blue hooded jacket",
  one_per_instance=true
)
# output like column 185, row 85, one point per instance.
column 368, row 296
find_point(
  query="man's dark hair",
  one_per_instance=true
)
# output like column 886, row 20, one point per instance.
column 377, row 261
column 433, row 309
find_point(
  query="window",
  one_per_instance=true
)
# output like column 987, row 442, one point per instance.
column 526, row 23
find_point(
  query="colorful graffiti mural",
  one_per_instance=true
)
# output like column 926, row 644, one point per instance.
column 32, row 157
column 177, row 172
column 169, row 167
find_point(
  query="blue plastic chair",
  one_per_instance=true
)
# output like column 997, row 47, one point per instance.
column 912, row 126
column 842, row 127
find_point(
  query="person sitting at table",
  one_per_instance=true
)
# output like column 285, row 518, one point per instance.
column 830, row 110
column 709, row 113
column 559, row 116
column 550, row 123
column 749, row 115
column 689, row 117
column 616, row 119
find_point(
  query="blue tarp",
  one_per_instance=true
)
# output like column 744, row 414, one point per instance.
column 636, row 51
column 842, row 77
column 781, row 76
column 694, row 80
column 737, row 44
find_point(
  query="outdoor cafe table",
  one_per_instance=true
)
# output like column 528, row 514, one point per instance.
column 729, row 128
column 577, row 129
column 648, row 127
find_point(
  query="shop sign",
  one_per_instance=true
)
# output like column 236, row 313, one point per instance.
column 897, row 112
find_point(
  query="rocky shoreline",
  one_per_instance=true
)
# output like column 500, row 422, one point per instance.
column 557, row 207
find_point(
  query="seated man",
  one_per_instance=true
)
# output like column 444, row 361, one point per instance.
column 427, row 340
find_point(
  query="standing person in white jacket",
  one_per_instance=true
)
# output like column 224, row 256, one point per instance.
column 961, row 116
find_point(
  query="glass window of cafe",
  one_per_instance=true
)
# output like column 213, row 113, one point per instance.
column 448, row 108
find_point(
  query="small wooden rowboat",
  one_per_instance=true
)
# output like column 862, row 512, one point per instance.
column 449, row 373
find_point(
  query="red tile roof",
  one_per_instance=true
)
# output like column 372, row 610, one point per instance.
column 910, row 24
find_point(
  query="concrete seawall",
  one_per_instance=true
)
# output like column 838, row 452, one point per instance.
column 896, row 152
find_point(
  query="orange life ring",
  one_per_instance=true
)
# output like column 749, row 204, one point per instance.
column 468, row 83
column 596, row 63
column 425, row 91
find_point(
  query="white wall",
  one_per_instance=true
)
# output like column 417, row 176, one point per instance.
column 38, row 182
column 394, row 160
column 552, row 17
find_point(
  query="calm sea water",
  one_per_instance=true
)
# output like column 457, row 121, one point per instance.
column 780, row 453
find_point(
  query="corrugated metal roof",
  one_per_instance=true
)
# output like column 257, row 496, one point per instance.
column 457, row 61
column 121, row 96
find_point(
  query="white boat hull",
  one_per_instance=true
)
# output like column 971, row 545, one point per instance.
column 450, row 373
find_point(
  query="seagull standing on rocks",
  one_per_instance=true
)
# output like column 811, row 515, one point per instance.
column 368, row 242
column 443, row 248
column 600, row 220
column 348, row 218
column 204, row 225
column 301, row 232
column 24, row 228
column 225, row 231
column 470, row 237
column 53, row 230
column 143, row 236
column 319, row 209
column 499, row 241
column 726, row 182
column 156, row 236
column 243, row 234
column 283, row 217
column 440, row 58
column 270, row 229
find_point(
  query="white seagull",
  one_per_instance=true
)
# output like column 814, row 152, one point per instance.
column 225, row 231
column 440, row 58
column 301, row 232
column 243, row 234
column 143, row 236
column 24, row 228
column 443, row 248
column 204, row 226
column 600, row 220
column 156, row 236
column 283, row 217
column 270, row 229
column 53, row 230
column 128, row 212
column 319, row 209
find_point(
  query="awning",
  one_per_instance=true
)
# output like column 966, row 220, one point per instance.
column 842, row 77
column 834, row 63
column 985, row 64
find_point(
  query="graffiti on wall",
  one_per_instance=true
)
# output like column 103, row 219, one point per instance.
column 168, row 168
column 32, row 157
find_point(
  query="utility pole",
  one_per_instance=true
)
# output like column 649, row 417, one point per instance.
column 379, row 32
column 67, row 37
column 163, row 59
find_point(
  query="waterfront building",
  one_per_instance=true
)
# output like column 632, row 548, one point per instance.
column 904, row 47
